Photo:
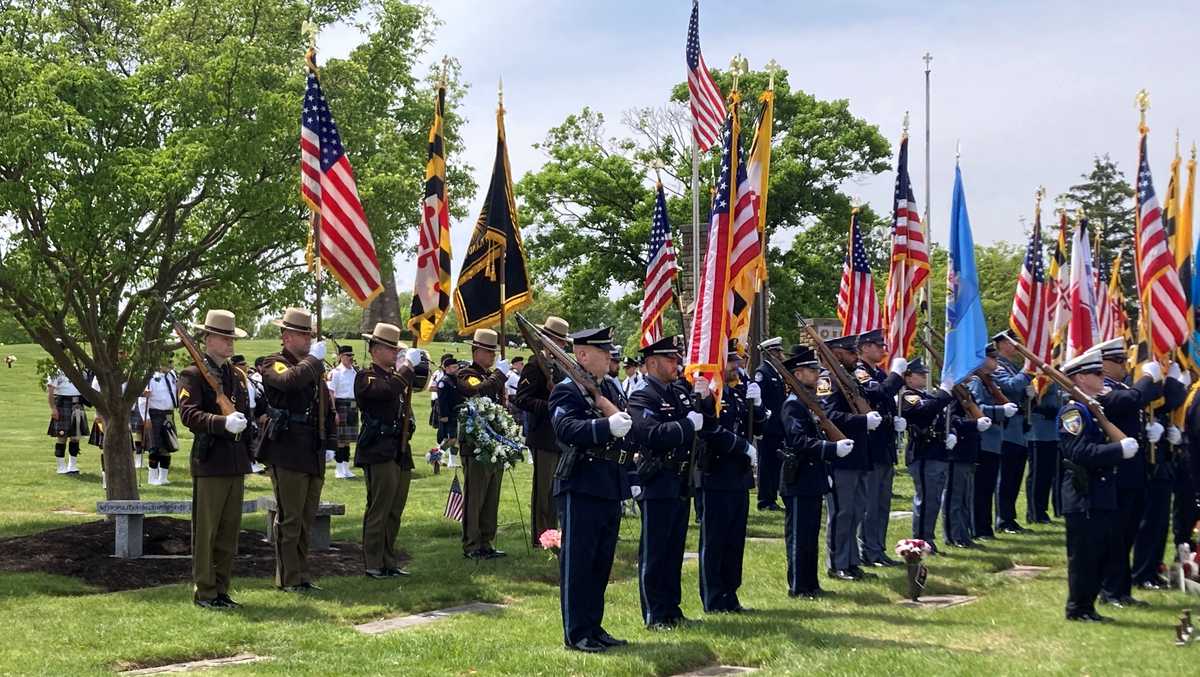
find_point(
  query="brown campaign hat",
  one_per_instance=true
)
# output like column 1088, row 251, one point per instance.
column 486, row 339
column 387, row 334
column 556, row 327
column 296, row 319
column 220, row 322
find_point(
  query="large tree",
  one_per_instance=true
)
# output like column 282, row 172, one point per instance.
column 588, row 208
column 1106, row 198
column 150, row 163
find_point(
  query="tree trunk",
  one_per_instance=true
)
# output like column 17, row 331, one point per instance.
column 385, row 307
column 118, row 454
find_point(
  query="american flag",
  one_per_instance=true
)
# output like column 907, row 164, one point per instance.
column 1163, row 300
column 910, row 261
column 708, row 106
column 1058, row 311
column 1029, row 320
column 1083, row 331
column 1104, row 307
column 857, row 306
column 327, row 186
column 710, row 322
column 454, row 501
column 660, row 271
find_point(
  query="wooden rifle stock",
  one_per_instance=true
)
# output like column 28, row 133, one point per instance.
column 1113, row 432
column 959, row 391
column 837, row 373
column 537, row 345
column 566, row 364
column 988, row 382
column 832, row 433
column 223, row 401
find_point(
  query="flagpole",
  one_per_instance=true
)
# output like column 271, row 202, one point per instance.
column 695, row 219
column 315, row 220
column 928, row 58
column 511, row 216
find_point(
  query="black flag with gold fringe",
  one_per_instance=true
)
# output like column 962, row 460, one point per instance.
column 495, row 262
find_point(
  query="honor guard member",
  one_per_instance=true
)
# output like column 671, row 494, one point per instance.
column 847, row 500
column 1016, row 386
column 881, row 389
column 1151, row 538
column 220, row 459
column 68, row 421
column 633, row 376
column 163, row 439
column 665, row 426
column 341, row 389
column 723, row 496
column 1184, row 511
column 805, row 477
column 1040, row 494
column 481, row 496
column 930, row 437
column 991, row 444
column 384, row 450
column 1126, row 407
column 293, row 445
column 958, row 521
column 1089, row 489
column 533, row 398
column 590, row 484
column 770, row 438
column 445, row 404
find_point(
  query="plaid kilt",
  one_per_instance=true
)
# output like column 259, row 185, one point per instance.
column 163, row 438
column 347, row 430
column 96, row 439
column 72, row 418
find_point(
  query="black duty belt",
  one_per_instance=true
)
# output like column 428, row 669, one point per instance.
column 618, row 456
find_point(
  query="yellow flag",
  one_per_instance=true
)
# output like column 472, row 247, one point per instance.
column 750, row 272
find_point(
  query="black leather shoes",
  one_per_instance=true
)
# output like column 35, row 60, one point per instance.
column 857, row 572
column 842, row 575
column 377, row 573
column 1097, row 618
column 393, row 572
column 608, row 640
column 493, row 553
column 210, row 604
column 309, row 586
column 227, row 601
column 885, row 561
column 587, row 645
column 772, row 507
column 1131, row 601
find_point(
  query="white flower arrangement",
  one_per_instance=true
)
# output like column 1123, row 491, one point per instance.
column 492, row 432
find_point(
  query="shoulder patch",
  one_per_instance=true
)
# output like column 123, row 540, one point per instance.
column 912, row 398
column 280, row 367
column 473, row 381
column 184, row 394
column 862, row 375
column 1072, row 422
column 824, row 387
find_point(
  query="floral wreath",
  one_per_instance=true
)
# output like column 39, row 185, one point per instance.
column 493, row 433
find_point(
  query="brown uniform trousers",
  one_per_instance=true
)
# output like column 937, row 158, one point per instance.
column 297, row 497
column 387, row 493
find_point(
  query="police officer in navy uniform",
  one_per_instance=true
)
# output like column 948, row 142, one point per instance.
column 665, row 426
column 1153, row 526
column 590, row 484
column 1089, row 489
column 1126, row 407
column 847, row 499
column 723, row 496
column 881, row 389
column 958, row 521
column 770, row 439
column 1017, row 387
column 805, row 477
column 446, row 404
column 930, row 438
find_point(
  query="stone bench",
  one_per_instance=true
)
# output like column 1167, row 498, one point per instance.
column 129, row 519
column 321, row 535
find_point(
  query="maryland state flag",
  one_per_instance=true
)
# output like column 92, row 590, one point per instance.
column 494, row 267
column 431, row 288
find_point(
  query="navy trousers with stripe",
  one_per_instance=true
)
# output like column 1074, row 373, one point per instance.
column 723, row 517
column 660, row 558
column 802, row 527
column 589, row 540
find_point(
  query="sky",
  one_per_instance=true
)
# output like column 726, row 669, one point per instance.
column 1030, row 91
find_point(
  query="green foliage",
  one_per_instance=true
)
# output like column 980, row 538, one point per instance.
column 1106, row 198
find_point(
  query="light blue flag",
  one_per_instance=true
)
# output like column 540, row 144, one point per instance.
column 966, row 330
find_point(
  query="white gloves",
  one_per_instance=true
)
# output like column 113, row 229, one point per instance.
column 1010, row 409
column 1174, row 436
column 413, row 356
column 1185, row 378
column 317, row 350
column 1031, row 390
column 1174, row 371
column 983, row 423
column 1153, row 370
column 947, row 387
column 752, row 453
column 1154, row 432
column 235, row 422
column 619, row 424
column 899, row 365
column 951, row 441
column 635, row 490
column 1129, row 447
column 754, row 393
column 503, row 366
column 701, row 387
column 899, row 424
column 844, row 447
column 696, row 418
column 873, row 420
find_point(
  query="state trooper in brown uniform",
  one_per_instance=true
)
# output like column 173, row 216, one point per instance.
column 384, row 449
column 481, row 495
column 220, row 460
column 292, row 444
column 533, row 398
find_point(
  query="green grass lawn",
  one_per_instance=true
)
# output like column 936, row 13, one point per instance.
column 60, row 626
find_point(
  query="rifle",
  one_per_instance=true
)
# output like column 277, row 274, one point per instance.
column 959, row 391
column 536, row 344
column 1113, row 432
column 805, row 395
column 988, row 382
column 837, row 373
column 223, row 401
column 566, row 364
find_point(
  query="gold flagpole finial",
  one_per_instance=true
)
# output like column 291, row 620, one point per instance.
column 856, row 204
column 738, row 66
column 500, row 94
column 1193, row 151
column 445, row 74
column 1176, row 142
column 1079, row 216
column 309, row 30
column 1037, row 199
column 771, row 67
column 957, row 150
column 658, row 165
column 1143, row 103
column 904, row 133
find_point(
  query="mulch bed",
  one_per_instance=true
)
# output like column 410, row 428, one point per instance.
column 84, row 551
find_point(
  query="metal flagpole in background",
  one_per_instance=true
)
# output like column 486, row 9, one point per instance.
column 928, row 58
column 511, row 217
column 695, row 226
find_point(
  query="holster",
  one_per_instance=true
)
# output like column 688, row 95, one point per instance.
column 201, row 446
column 650, row 464
column 1079, row 476
column 566, row 463
column 791, row 466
